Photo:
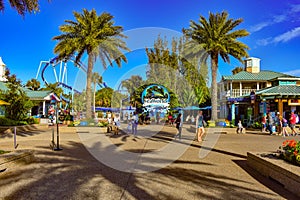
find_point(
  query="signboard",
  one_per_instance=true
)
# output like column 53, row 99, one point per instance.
column 238, row 99
column 252, row 97
column 155, row 97
column 294, row 102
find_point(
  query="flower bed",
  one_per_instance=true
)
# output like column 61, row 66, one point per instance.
column 290, row 151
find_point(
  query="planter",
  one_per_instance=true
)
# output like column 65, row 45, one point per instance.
column 282, row 172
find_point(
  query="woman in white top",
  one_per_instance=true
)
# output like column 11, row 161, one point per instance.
column 200, row 126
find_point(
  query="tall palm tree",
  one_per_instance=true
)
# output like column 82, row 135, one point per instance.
column 98, row 37
column 96, row 79
column 22, row 6
column 217, row 38
column 33, row 84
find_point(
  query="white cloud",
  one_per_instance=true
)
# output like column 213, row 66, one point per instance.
column 295, row 8
column 259, row 26
column 287, row 35
column 264, row 42
column 276, row 18
column 293, row 72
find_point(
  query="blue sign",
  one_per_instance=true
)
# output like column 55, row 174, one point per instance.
column 155, row 97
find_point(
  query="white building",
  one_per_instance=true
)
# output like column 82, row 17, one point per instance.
column 2, row 70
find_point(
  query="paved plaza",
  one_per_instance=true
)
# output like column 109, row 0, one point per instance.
column 88, row 168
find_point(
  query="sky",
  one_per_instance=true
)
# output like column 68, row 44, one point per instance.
column 274, row 27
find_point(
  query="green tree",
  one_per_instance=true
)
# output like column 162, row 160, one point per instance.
column 237, row 70
column 33, row 84
column 79, row 101
column 171, row 69
column 132, row 83
column 53, row 87
column 104, row 97
column 217, row 38
column 15, row 95
column 22, row 6
column 98, row 37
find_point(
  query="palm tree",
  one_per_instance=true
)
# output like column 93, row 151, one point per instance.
column 53, row 87
column 97, row 36
column 217, row 38
column 22, row 6
column 33, row 84
column 96, row 79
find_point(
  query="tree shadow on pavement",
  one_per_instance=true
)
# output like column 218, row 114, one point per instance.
column 74, row 173
column 22, row 131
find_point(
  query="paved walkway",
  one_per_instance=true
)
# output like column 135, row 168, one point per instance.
column 213, row 169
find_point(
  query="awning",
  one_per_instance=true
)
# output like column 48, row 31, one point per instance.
column 3, row 103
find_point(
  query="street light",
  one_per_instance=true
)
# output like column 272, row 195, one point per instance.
column 57, row 127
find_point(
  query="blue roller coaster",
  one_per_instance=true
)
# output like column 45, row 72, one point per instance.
column 61, row 78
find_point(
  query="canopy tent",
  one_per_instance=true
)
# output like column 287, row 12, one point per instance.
column 107, row 109
column 4, row 103
column 191, row 108
column 205, row 108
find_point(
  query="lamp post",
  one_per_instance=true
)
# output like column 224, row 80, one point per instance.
column 57, row 130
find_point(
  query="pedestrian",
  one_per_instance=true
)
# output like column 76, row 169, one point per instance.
column 134, row 121
column 277, row 123
column 263, row 123
column 192, row 119
column 170, row 119
column 129, row 128
column 293, row 119
column 200, row 126
column 240, row 127
column 270, row 123
column 284, row 125
column 178, row 123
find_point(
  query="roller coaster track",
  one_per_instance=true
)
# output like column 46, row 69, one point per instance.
column 54, row 62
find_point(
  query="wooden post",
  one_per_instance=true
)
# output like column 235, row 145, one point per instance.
column 280, row 107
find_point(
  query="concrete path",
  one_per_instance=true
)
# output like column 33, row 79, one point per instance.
column 88, row 166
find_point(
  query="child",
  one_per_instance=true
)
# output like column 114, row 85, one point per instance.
column 240, row 127
column 129, row 127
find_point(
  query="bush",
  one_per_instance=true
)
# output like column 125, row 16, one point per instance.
column 290, row 153
column 7, row 122
column 32, row 120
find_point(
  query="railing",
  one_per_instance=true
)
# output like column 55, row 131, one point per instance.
column 236, row 93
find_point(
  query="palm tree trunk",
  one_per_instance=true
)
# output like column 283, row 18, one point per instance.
column 214, row 87
column 88, row 87
column 94, row 103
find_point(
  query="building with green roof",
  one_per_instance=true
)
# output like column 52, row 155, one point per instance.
column 250, row 93
column 42, row 99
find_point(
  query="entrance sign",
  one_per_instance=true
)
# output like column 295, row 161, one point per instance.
column 156, row 97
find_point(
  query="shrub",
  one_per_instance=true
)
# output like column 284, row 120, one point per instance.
column 291, row 151
column 7, row 122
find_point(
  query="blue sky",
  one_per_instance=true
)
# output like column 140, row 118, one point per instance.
column 274, row 28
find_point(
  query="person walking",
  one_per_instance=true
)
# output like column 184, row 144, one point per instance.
column 200, row 126
column 178, row 122
column 293, row 119
column 264, row 123
column 277, row 122
column 134, row 123
column 270, row 123
column 284, row 123
column 240, row 127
